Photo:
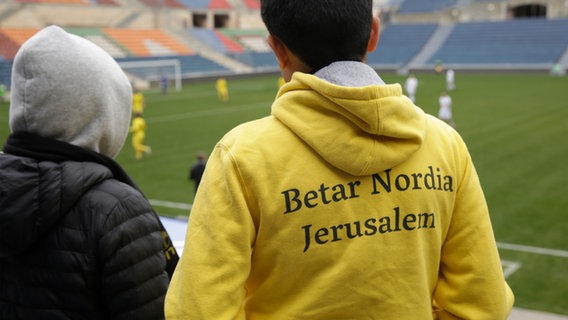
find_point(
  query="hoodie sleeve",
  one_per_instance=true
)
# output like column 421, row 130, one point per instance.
column 209, row 283
column 133, row 276
column 471, row 284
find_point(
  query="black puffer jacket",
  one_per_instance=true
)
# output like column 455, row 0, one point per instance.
column 75, row 243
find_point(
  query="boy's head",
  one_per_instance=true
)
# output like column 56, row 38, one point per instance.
column 67, row 88
column 319, row 32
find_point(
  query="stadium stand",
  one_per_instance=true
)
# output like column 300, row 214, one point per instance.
column 399, row 43
column 252, row 4
column 258, row 60
column 147, row 42
column 209, row 38
column 12, row 39
column 105, row 2
column 79, row 2
column 232, row 46
column 249, row 40
column 196, row 4
column 207, row 4
column 521, row 41
column 98, row 37
column 162, row 3
column 217, row 40
column 219, row 4
column 5, row 72
column 421, row 6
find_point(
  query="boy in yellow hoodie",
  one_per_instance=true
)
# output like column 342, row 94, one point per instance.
column 346, row 202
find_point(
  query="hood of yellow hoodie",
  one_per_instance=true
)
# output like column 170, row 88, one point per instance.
column 358, row 129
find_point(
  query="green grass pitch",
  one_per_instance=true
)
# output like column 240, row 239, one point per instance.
column 515, row 125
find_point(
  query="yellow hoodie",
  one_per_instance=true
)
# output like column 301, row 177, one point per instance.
column 344, row 203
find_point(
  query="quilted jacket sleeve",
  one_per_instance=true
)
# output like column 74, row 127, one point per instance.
column 133, row 277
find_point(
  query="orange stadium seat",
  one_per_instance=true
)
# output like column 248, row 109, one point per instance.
column 252, row 4
column 160, row 3
column 12, row 39
column 219, row 4
column 85, row 2
column 147, row 42
column 231, row 45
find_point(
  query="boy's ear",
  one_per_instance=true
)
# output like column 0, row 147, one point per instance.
column 280, row 51
column 375, row 35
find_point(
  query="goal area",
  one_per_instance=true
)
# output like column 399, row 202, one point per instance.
column 144, row 74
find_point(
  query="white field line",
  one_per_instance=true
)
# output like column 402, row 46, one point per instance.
column 509, row 267
column 530, row 249
column 500, row 245
column 209, row 112
column 168, row 204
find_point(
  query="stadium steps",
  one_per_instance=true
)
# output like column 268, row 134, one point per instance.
column 255, row 43
column 129, row 19
column 107, row 45
column 215, row 40
column 96, row 36
column 564, row 58
column 9, row 10
column 231, row 45
column 210, row 53
column 252, row 39
column 157, row 49
column 436, row 40
column 400, row 43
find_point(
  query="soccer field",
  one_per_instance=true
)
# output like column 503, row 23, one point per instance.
column 515, row 125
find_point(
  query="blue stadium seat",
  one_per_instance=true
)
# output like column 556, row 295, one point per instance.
column 195, row 4
column 257, row 59
column 209, row 37
column 522, row 41
column 5, row 72
column 425, row 6
column 399, row 43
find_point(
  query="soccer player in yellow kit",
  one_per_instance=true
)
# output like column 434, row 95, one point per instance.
column 137, row 102
column 138, row 129
column 222, row 90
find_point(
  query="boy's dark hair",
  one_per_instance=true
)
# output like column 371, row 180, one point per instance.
column 320, row 32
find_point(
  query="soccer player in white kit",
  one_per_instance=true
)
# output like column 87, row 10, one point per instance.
column 411, row 85
column 445, row 111
column 450, row 80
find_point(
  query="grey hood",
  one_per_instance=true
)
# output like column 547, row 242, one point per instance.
column 67, row 88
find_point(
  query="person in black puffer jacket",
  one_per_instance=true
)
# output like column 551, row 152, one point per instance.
column 78, row 240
